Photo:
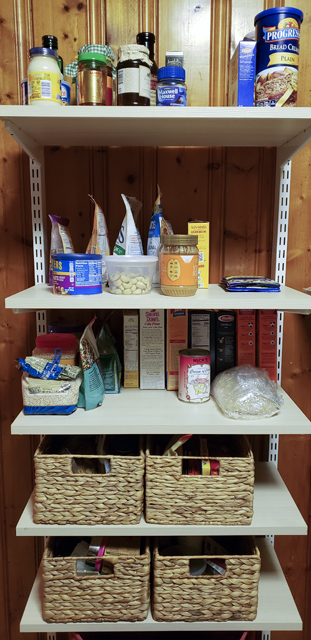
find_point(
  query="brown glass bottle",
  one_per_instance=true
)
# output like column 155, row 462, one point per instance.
column 147, row 39
column 133, row 77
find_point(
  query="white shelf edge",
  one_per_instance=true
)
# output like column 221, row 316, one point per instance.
column 41, row 297
column 276, row 609
column 196, row 126
column 141, row 412
column 275, row 513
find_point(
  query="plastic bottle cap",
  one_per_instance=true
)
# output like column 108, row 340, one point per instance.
column 167, row 73
column 98, row 57
column 43, row 51
column 56, row 341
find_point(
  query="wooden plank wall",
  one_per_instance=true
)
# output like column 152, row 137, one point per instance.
column 232, row 188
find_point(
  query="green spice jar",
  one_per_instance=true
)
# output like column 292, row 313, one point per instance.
column 92, row 79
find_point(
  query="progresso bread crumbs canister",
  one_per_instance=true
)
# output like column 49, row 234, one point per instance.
column 194, row 375
column 277, row 57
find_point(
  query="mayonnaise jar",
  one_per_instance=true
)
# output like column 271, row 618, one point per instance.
column 44, row 78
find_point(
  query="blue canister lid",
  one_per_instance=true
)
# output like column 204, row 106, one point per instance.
column 43, row 51
column 171, row 72
column 275, row 10
column 76, row 256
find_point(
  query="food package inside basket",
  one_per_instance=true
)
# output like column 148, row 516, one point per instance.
column 92, row 389
column 61, row 241
column 99, row 241
column 158, row 226
column 129, row 241
column 121, row 546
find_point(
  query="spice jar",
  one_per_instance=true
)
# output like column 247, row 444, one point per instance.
column 44, row 78
column 171, row 89
column 133, row 76
column 92, row 79
column 178, row 262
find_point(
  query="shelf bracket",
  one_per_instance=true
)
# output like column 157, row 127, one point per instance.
column 32, row 148
column 288, row 150
column 40, row 248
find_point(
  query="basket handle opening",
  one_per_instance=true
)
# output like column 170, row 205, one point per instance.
column 105, row 570
column 90, row 466
column 209, row 567
column 200, row 467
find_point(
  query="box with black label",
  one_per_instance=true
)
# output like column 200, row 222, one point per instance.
column 225, row 340
column 201, row 333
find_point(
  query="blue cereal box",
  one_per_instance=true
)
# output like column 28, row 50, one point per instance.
column 242, row 75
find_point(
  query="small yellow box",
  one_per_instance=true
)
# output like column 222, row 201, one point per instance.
column 201, row 229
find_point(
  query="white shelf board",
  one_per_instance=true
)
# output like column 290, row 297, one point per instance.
column 276, row 609
column 41, row 297
column 154, row 126
column 141, row 411
column 275, row 513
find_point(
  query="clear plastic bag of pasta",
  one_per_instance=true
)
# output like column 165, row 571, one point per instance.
column 246, row 393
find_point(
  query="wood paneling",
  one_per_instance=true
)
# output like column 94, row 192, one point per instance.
column 232, row 188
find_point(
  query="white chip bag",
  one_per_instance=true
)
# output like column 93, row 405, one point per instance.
column 99, row 240
column 129, row 241
column 246, row 393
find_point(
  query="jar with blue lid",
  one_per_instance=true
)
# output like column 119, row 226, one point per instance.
column 171, row 89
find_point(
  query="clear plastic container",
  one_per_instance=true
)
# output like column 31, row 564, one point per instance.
column 47, row 343
column 130, row 275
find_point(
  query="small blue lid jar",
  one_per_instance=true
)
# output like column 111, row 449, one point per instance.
column 171, row 89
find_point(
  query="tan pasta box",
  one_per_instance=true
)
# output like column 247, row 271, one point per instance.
column 152, row 349
column 176, row 339
column 131, row 349
column 201, row 229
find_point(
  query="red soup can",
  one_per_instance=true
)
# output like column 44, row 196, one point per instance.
column 277, row 56
column 194, row 375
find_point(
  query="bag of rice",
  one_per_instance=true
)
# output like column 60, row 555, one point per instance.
column 129, row 241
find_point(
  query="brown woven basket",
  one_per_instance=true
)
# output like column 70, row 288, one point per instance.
column 123, row 595
column 64, row 497
column 174, row 498
column 179, row 596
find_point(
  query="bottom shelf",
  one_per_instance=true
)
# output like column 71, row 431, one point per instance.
column 276, row 608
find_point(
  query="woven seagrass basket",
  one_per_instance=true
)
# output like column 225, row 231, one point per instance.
column 64, row 497
column 224, row 499
column 179, row 596
column 122, row 595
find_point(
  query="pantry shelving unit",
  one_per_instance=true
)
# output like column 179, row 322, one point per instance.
column 274, row 510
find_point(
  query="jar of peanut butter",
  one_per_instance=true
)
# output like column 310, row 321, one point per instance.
column 178, row 263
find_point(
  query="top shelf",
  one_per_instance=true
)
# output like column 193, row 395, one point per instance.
column 286, row 129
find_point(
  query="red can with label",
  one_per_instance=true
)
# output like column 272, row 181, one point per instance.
column 194, row 375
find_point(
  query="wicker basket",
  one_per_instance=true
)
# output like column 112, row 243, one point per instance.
column 122, row 595
column 64, row 497
column 179, row 596
column 225, row 499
